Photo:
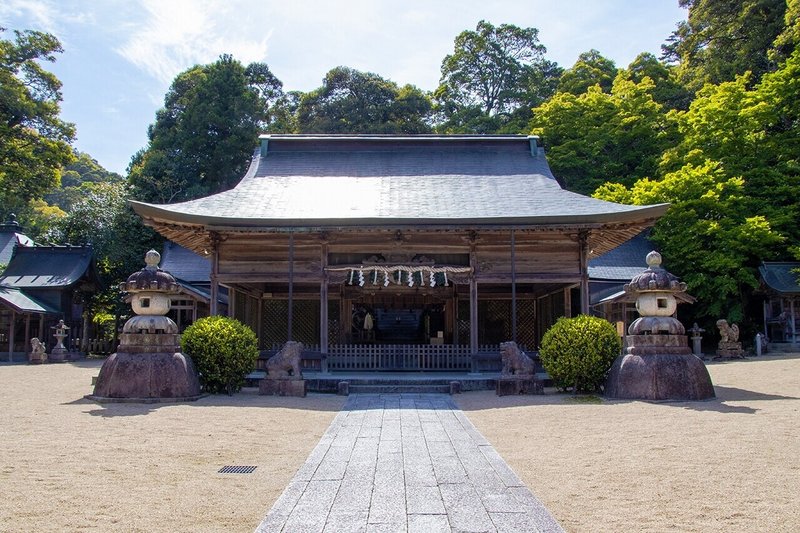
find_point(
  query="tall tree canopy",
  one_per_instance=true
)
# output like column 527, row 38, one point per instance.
column 34, row 141
column 493, row 74
column 734, row 184
column 589, row 70
column 667, row 91
column 720, row 40
column 350, row 101
column 596, row 136
column 203, row 137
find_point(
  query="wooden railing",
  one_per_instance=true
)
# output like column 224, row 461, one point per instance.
column 95, row 346
column 396, row 358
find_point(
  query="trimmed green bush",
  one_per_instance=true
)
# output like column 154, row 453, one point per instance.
column 578, row 352
column 224, row 351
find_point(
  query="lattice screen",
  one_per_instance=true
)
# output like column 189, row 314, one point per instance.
column 526, row 324
column 305, row 322
column 462, row 322
column 494, row 321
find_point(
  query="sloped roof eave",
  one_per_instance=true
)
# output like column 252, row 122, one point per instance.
column 163, row 215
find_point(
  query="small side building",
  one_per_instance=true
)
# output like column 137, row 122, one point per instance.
column 779, row 282
column 40, row 286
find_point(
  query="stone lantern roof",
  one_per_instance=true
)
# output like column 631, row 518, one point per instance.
column 655, row 278
column 150, row 278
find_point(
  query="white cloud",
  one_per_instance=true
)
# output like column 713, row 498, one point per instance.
column 178, row 34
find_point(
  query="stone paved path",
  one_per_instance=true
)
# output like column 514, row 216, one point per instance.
column 405, row 462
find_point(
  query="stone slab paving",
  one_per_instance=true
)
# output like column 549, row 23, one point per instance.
column 405, row 463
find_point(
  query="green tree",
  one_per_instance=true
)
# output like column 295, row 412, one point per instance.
column 667, row 91
column 589, row 70
column 720, row 40
column 493, row 78
column 34, row 141
column 734, row 185
column 708, row 236
column 596, row 136
column 350, row 101
column 752, row 133
column 789, row 38
column 204, row 136
column 84, row 169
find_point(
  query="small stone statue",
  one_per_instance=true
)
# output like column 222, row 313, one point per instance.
column 38, row 351
column 515, row 361
column 727, row 333
column 729, row 345
column 284, row 377
column 286, row 363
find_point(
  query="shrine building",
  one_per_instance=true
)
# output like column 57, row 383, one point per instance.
column 399, row 252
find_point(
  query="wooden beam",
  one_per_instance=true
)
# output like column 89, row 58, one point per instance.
column 214, row 277
column 513, row 289
column 11, row 336
column 584, row 260
column 291, row 287
column 473, row 303
column 323, row 301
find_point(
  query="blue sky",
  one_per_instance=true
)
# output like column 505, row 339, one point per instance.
column 120, row 56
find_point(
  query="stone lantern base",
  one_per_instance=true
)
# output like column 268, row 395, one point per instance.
column 661, row 377
column 147, row 377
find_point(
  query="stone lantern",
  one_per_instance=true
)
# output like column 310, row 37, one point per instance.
column 658, row 365
column 148, row 365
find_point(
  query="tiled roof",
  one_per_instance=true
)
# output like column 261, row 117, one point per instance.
column 373, row 180
column 9, row 238
column 24, row 303
column 781, row 276
column 184, row 264
column 47, row 266
column 623, row 262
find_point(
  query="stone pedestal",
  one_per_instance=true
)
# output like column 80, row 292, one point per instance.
column 343, row 388
column 58, row 355
column 659, row 377
column 730, row 349
column 282, row 387
column 509, row 386
column 147, row 377
column 455, row 387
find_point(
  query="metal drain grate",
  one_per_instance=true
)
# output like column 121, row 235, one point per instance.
column 236, row 470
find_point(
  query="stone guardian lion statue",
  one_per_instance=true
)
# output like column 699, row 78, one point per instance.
column 286, row 363
column 515, row 361
column 727, row 333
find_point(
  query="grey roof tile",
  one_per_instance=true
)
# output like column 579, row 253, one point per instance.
column 385, row 179
column 47, row 266
column 781, row 276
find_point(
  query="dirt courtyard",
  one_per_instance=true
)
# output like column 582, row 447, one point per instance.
column 730, row 464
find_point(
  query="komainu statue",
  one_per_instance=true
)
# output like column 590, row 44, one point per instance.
column 515, row 361
column 38, row 350
column 727, row 333
column 286, row 363
column 729, row 345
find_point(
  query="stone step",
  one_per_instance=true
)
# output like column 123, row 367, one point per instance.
column 399, row 389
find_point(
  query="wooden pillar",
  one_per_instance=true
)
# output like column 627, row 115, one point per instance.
column 232, row 297
column 473, row 301
column 290, row 317
column 513, row 289
column 323, row 300
column 568, row 302
column 794, row 327
column 11, row 336
column 584, row 260
column 27, row 344
column 213, row 305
